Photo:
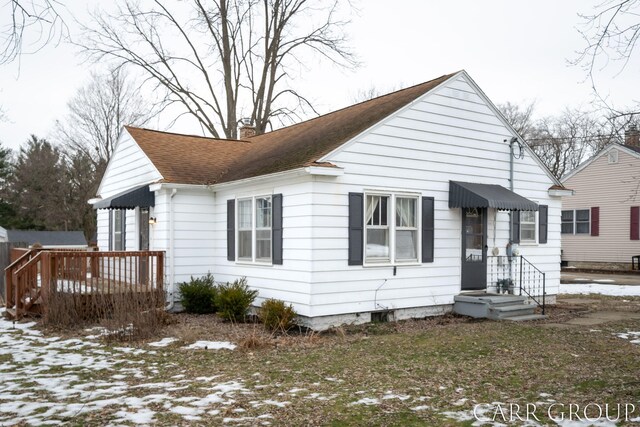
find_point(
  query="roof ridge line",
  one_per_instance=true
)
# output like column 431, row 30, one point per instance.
column 359, row 103
column 211, row 138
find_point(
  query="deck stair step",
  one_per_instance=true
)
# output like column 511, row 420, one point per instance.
column 495, row 306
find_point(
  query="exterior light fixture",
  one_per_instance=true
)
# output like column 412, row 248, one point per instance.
column 152, row 220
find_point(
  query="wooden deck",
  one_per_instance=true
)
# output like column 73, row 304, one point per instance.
column 37, row 276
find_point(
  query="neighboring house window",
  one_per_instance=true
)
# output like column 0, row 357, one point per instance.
column 567, row 222
column 582, row 221
column 117, row 227
column 391, row 218
column 576, row 222
column 613, row 156
column 255, row 229
column 527, row 227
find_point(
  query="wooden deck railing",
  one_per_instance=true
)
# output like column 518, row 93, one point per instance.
column 36, row 274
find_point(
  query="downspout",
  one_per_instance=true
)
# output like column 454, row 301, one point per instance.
column 513, row 141
column 172, row 285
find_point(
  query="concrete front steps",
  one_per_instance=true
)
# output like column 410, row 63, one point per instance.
column 496, row 307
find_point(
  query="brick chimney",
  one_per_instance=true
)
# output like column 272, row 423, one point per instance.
column 247, row 130
column 632, row 136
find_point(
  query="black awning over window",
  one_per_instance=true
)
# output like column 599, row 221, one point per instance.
column 471, row 195
column 139, row 197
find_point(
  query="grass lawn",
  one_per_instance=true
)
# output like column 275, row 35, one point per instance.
column 425, row 372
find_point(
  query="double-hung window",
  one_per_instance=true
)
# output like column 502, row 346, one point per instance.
column 377, row 226
column 582, row 221
column 117, row 224
column 576, row 221
column 527, row 227
column 391, row 228
column 406, row 229
column 254, row 219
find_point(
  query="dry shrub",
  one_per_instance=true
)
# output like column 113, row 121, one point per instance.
column 126, row 316
column 277, row 316
column 255, row 340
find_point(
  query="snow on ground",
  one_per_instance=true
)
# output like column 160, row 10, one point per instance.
column 633, row 337
column 163, row 342
column 598, row 288
column 49, row 380
column 211, row 345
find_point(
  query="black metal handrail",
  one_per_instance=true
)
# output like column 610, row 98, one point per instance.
column 508, row 274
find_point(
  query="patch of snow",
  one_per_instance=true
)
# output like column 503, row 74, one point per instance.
column 368, row 401
column 632, row 336
column 143, row 416
column 597, row 288
column 421, row 408
column 276, row 403
column 163, row 342
column 211, row 345
column 402, row 397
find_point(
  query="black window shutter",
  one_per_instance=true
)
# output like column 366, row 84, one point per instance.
column 543, row 223
column 356, row 228
column 515, row 226
column 276, row 229
column 110, row 229
column 428, row 228
column 231, row 230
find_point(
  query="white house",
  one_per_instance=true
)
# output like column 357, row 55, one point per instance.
column 3, row 235
column 396, row 204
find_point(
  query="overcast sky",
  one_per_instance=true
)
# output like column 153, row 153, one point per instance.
column 516, row 51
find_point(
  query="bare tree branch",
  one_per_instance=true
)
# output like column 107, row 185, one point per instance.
column 221, row 57
column 32, row 25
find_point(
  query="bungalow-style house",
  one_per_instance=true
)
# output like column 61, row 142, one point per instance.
column 396, row 205
column 601, row 223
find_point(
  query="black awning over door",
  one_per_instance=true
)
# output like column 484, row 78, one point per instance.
column 472, row 195
column 140, row 197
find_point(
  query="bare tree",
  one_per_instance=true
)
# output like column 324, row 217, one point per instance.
column 610, row 33
column 564, row 141
column 519, row 117
column 220, row 59
column 97, row 114
column 40, row 20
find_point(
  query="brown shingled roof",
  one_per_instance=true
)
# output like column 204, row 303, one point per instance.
column 198, row 160
column 186, row 159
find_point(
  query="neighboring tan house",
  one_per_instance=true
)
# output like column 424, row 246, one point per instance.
column 601, row 222
column 395, row 204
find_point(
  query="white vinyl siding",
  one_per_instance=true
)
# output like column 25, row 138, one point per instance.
column 128, row 168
